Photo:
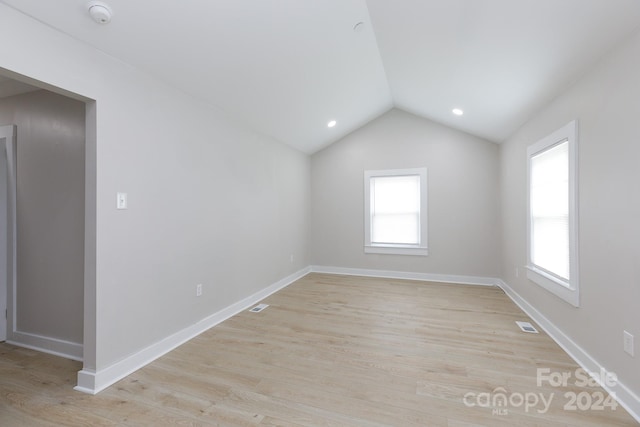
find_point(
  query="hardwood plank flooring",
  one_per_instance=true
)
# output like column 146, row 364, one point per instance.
column 329, row 351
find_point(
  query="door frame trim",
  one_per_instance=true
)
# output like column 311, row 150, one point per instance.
column 8, row 286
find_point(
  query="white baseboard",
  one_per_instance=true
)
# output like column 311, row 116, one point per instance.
column 625, row 396
column 57, row 347
column 92, row 382
column 427, row 277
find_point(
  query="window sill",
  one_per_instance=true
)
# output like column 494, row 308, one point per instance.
column 396, row 250
column 557, row 287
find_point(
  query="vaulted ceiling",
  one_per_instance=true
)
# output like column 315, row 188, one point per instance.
column 288, row 67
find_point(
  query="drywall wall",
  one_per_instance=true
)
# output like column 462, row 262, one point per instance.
column 606, row 102
column 462, row 196
column 50, row 167
column 209, row 200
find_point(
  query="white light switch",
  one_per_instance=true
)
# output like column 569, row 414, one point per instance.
column 121, row 202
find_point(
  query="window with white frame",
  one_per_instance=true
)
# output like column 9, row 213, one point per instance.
column 552, row 211
column 396, row 211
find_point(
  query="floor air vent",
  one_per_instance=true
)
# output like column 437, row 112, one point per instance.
column 527, row 327
column 258, row 308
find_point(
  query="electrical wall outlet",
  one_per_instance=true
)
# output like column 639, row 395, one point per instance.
column 628, row 343
column 199, row 289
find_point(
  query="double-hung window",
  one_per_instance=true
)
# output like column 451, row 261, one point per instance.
column 396, row 211
column 552, row 211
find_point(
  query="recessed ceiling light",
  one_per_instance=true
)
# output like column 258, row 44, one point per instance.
column 358, row 27
column 332, row 123
column 457, row 111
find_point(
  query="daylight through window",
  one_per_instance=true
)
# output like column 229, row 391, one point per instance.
column 395, row 211
column 552, row 213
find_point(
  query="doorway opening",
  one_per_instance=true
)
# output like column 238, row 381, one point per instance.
column 47, row 235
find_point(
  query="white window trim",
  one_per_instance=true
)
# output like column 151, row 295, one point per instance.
column 569, row 291
column 420, row 249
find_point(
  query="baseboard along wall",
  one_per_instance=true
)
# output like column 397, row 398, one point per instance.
column 57, row 347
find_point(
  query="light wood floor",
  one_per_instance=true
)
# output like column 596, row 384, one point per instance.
column 330, row 350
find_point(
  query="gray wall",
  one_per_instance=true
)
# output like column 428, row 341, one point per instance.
column 50, row 213
column 606, row 101
column 210, row 201
column 462, row 196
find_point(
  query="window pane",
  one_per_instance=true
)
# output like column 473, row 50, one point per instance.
column 395, row 194
column 549, row 204
column 550, row 245
column 395, row 209
column 395, row 228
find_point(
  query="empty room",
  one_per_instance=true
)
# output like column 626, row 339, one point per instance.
column 319, row 212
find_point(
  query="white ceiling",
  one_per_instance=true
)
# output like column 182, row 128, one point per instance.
column 287, row 67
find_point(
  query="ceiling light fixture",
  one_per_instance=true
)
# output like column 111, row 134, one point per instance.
column 100, row 12
column 358, row 27
column 332, row 123
column 457, row 111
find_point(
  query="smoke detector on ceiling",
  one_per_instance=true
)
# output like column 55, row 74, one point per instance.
column 100, row 12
